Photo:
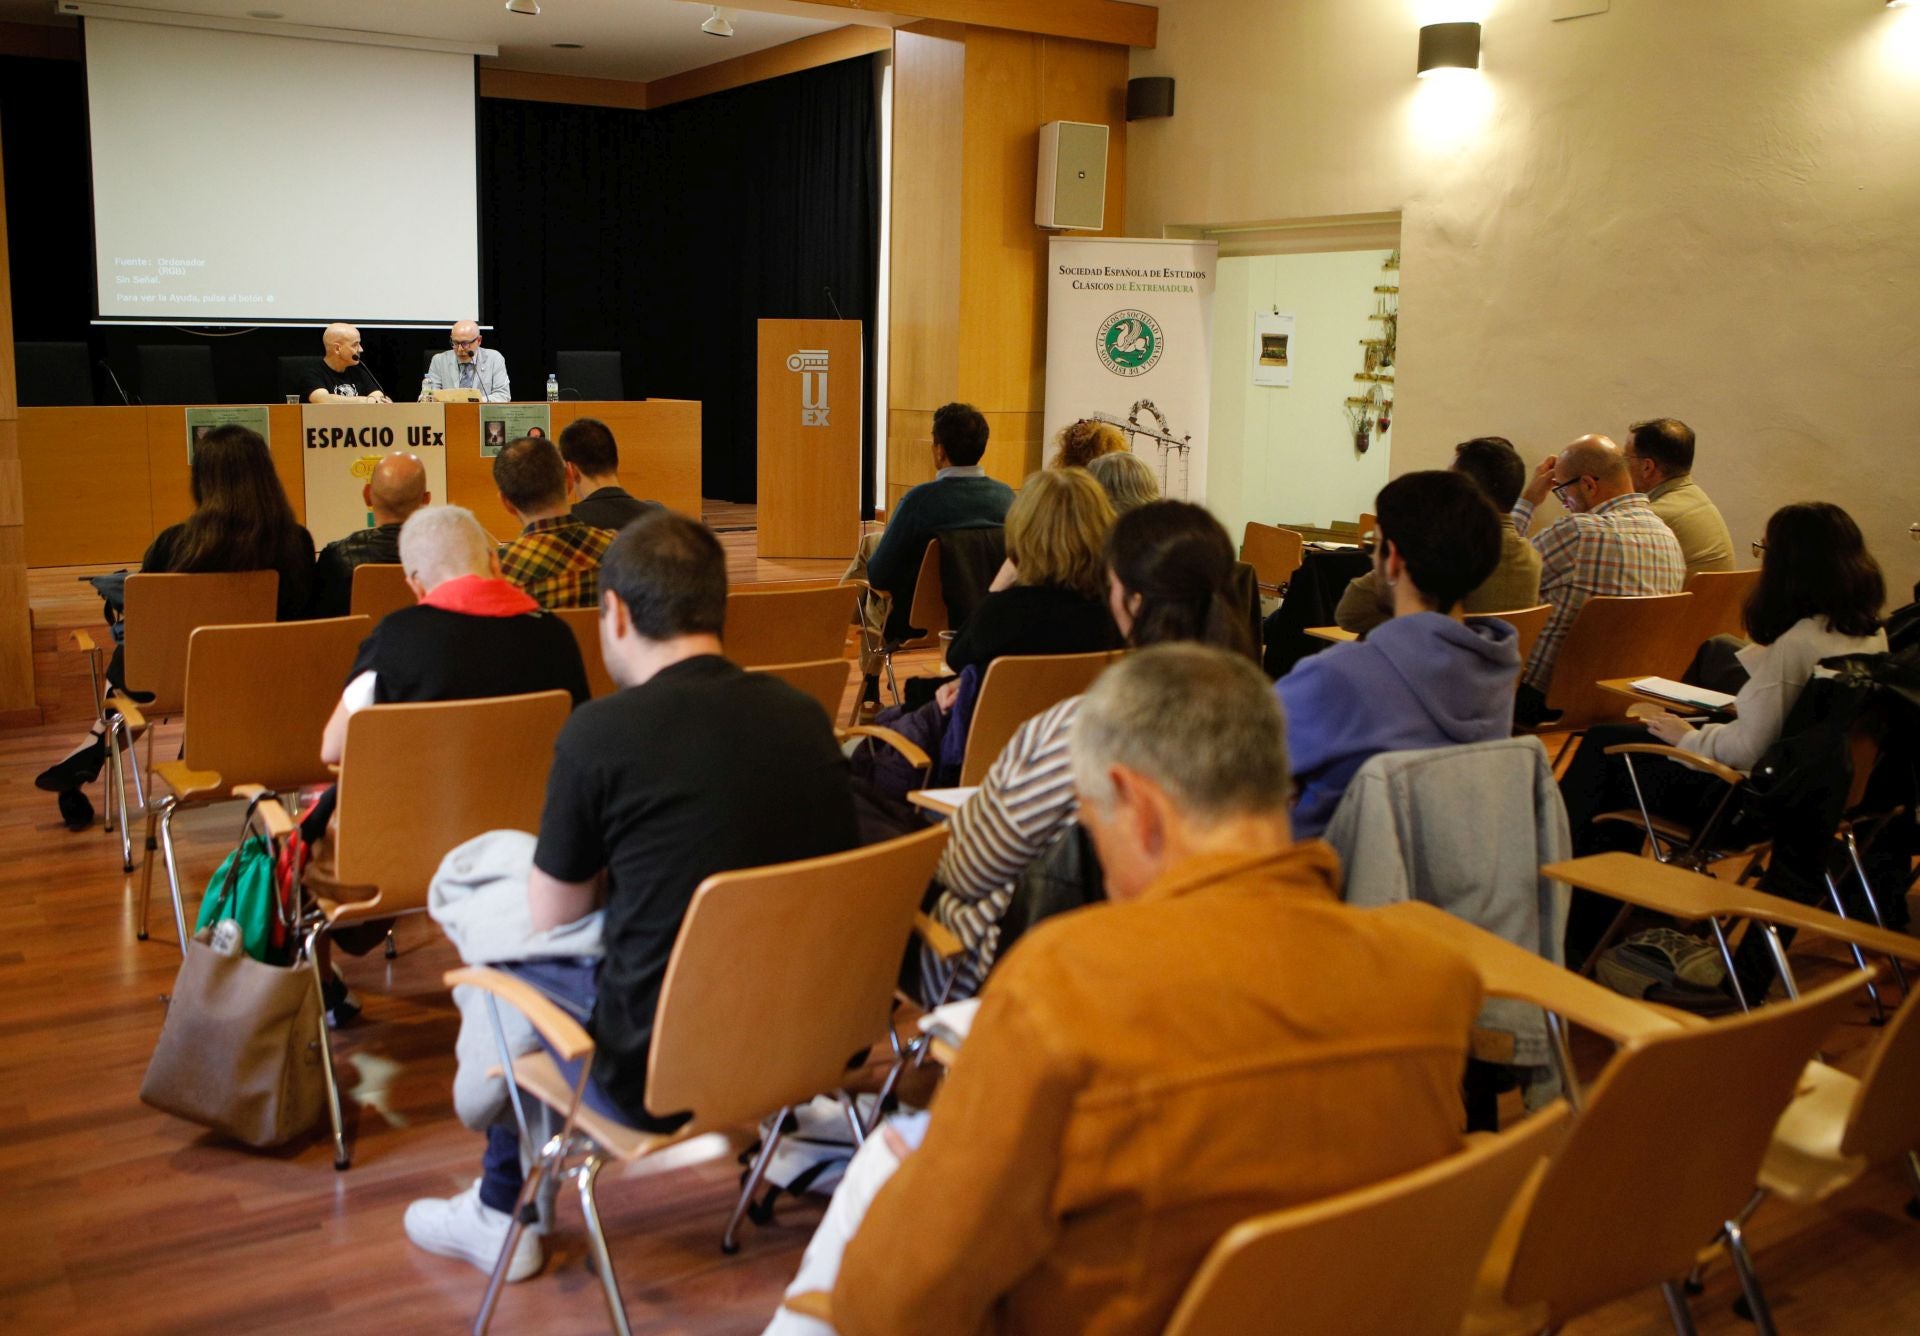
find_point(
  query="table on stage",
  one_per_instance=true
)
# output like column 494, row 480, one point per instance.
column 99, row 483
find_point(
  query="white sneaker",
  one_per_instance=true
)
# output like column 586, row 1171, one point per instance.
column 467, row 1228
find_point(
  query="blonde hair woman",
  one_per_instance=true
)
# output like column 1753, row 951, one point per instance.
column 1056, row 534
column 1082, row 442
column 1127, row 478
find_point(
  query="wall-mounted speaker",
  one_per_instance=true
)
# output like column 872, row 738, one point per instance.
column 1149, row 98
column 1072, row 190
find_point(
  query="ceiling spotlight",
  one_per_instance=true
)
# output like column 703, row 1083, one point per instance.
column 717, row 25
column 527, row 7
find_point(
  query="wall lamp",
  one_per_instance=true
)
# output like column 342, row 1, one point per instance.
column 1449, row 46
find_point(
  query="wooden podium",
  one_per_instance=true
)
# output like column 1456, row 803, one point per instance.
column 812, row 395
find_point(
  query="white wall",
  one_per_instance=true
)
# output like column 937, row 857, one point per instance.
column 1703, row 208
column 1286, row 456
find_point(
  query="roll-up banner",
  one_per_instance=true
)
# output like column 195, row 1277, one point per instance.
column 1130, row 341
column 342, row 444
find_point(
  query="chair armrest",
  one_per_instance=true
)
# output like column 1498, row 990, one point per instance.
column 1726, row 774
column 83, row 641
column 561, row 1031
column 816, row 1304
column 127, row 710
column 938, row 936
column 914, row 757
column 279, row 823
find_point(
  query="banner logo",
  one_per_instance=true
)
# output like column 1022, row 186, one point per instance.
column 811, row 363
column 1129, row 343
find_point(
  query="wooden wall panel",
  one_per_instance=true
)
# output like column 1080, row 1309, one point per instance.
column 16, row 635
column 84, row 478
column 928, row 106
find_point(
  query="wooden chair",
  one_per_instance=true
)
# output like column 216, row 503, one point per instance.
column 162, row 613
column 1274, row 553
column 1719, row 603
column 585, row 625
column 379, row 588
column 1321, row 1264
column 825, row 681
column 730, row 1045
column 416, row 780
column 1662, row 1155
column 1015, row 689
column 1527, row 623
column 789, row 625
column 931, row 611
column 1367, row 524
column 1639, row 636
column 257, row 700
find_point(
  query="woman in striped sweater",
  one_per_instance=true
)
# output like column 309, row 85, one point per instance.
column 1169, row 578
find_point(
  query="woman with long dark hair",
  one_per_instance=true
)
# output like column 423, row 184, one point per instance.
column 241, row 521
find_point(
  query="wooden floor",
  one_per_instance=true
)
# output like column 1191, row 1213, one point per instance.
column 118, row 1219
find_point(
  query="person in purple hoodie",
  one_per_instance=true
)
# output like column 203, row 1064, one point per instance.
column 1428, row 677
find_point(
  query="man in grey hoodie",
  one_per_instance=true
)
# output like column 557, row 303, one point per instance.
column 1428, row 677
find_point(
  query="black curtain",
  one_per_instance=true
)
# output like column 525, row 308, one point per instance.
column 664, row 234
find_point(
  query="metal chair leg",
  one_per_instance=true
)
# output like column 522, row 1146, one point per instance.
column 1726, row 959
column 1859, row 958
column 1779, row 950
column 146, row 877
column 167, row 809
column 1760, row 1314
column 1873, row 907
column 729, row 1242
column 118, row 798
column 603, row 1259
column 1563, row 1059
column 340, row 1157
column 1677, row 1311
column 392, row 950
column 549, row 1157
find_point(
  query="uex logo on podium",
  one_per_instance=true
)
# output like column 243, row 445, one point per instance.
column 811, row 363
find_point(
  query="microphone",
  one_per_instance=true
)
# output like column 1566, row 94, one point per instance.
column 117, row 387
column 361, row 362
column 831, row 302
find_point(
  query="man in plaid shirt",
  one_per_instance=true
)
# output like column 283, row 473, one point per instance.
column 1610, row 543
column 556, row 558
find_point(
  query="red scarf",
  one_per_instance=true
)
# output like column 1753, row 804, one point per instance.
column 480, row 596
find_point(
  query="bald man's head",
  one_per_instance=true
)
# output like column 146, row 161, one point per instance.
column 397, row 489
column 1590, row 472
column 342, row 345
column 465, row 339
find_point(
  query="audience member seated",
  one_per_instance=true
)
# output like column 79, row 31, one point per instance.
column 1056, row 602
column 397, row 489
column 1820, row 595
column 593, row 477
column 241, row 521
column 1223, row 1040
column 695, row 767
column 556, row 558
column 1609, row 543
column 1127, row 479
column 1659, row 455
column 1169, row 578
column 1080, row 443
column 961, row 496
column 1428, row 677
column 1492, row 462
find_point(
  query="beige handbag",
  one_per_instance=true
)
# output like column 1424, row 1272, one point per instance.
column 240, row 1049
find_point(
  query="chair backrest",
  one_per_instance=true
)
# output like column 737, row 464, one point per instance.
column 163, row 612
column 789, row 625
column 1886, row 1109
column 1367, row 524
column 1015, row 689
column 585, row 625
column 379, row 587
column 825, row 936
column 591, row 375
column 49, row 374
column 1667, row 1148
column 290, row 373
column 969, row 559
column 177, row 374
column 825, row 680
column 1635, row 636
column 1719, row 603
column 416, row 780
column 1322, row 1264
column 1528, row 622
column 929, row 609
column 1274, row 553
column 258, row 698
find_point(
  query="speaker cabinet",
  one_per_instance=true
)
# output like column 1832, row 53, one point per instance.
column 1072, row 194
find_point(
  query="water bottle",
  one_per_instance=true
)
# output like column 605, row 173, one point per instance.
column 226, row 937
column 426, row 389
column 553, row 388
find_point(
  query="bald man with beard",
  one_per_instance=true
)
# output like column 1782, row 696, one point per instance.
column 340, row 376
column 467, row 366
column 396, row 490
column 1609, row 542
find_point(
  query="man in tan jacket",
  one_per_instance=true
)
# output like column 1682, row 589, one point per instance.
column 1659, row 455
column 1223, row 1039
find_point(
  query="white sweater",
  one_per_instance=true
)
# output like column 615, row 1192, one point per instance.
column 1776, row 674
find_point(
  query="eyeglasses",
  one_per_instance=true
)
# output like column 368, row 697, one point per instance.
column 466, row 343
column 1759, row 547
column 1560, row 488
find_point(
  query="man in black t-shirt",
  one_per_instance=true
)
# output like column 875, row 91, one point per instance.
column 695, row 767
column 340, row 374
column 397, row 488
